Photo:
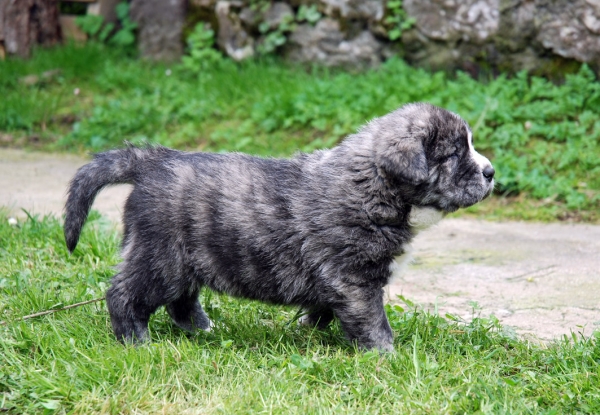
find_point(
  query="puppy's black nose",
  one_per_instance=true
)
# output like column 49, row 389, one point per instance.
column 488, row 173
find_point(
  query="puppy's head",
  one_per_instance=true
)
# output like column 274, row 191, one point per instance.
column 429, row 152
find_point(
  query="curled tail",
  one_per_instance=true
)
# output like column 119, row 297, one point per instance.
column 111, row 167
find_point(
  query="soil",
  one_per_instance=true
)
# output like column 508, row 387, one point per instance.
column 542, row 280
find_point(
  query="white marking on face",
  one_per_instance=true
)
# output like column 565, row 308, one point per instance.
column 481, row 161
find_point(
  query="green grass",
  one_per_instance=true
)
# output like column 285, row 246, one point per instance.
column 256, row 360
column 543, row 138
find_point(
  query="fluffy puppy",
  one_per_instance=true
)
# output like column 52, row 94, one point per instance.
column 319, row 230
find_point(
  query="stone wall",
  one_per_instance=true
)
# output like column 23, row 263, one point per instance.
column 505, row 35
column 160, row 24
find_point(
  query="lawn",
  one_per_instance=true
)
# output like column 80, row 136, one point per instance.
column 256, row 359
column 543, row 138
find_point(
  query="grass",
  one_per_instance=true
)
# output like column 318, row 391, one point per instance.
column 543, row 138
column 256, row 360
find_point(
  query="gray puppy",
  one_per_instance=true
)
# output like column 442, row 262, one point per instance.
column 320, row 231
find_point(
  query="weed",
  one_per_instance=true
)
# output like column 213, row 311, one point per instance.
column 97, row 29
column 397, row 20
column 201, row 54
column 308, row 14
column 274, row 38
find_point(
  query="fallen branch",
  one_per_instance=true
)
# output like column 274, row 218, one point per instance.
column 54, row 310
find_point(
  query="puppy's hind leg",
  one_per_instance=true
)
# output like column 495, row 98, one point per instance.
column 188, row 314
column 130, row 306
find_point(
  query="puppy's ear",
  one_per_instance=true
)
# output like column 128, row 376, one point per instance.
column 405, row 160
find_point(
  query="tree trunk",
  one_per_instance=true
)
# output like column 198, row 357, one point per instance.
column 160, row 25
column 28, row 22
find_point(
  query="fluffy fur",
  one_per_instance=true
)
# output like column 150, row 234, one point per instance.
column 319, row 230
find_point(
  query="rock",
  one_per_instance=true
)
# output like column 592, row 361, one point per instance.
column 207, row 4
column 277, row 14
column 451, row 20
column 516, row 31
column 274, row 16
column 503, row 35
column 250, row 17
column 591, row 20
column 451, row 34
column 160, row 26
column 570, row 29
column 326, row 44
column 355, row 9
column 232, row 38
column 30, row 80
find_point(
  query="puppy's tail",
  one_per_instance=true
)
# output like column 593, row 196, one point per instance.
column 111, row 167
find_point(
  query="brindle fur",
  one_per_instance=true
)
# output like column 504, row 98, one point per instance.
column 319, row 230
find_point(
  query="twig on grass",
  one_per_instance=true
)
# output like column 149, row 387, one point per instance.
column 54, row 310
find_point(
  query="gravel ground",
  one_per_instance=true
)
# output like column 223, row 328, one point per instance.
column 541, row 279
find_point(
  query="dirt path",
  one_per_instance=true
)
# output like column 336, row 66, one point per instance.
column 543, row 280
column 38, row 182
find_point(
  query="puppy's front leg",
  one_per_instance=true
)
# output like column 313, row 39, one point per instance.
column 363, row 319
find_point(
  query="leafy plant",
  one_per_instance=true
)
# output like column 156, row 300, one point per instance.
column 274, row 38
column 260, row 6
column 308, row 13
column 95, row 27
column 201, row 53
column 397, row 20
column 125, row 36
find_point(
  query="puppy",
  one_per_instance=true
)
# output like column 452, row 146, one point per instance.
column 319, row 230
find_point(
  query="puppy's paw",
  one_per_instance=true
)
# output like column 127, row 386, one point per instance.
column 210, row 326
column 305, row 320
